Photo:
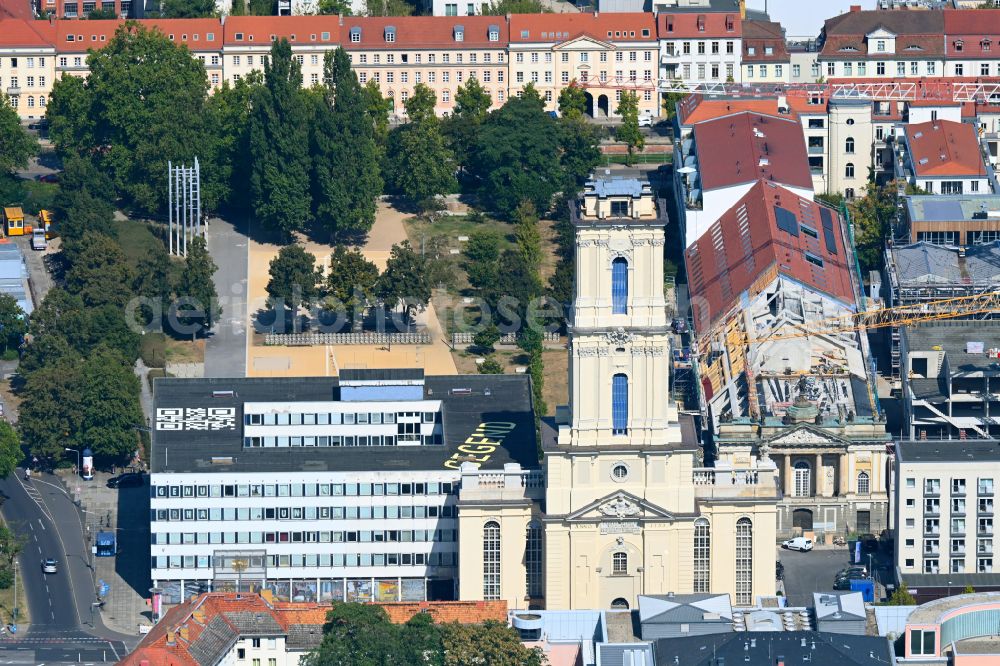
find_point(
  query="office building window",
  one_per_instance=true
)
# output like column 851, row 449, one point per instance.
column 702, row 555
column 619, row 404
column 491, row 560
column 744, row 562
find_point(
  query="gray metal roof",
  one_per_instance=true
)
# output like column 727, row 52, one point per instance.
column 952, row 337
column 304, row 636
column 617, row 187
column 925, row 263
column 839, row 607
column 686, row 608
column 255, row 624
column 960, row 450
column 214, row 642
column 816, row 648
column 949, row 207
column 625, row 654
column 468, row 401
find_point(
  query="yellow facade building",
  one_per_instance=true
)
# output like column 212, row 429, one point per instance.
column 628, row 508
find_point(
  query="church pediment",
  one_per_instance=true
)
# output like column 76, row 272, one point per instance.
column 805, row 434
column 620, row 506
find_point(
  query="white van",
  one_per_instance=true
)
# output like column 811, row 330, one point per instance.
column 798, row 543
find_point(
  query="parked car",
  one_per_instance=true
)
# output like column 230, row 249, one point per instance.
column 38, row 240
column 845, row 583
column 49, row 566
column 798, row 543
column 130, row 480
column 646, row 119
column 847, row 571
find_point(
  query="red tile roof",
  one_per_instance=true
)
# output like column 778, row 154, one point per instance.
column 746, row 146
column 944, row 148
column 761, row 35
column 72, row 36
column 80, row 36
column 423, row 31
column 747, row 243
column 299, row 30
column 20, row 9
column 978, row 31
column 198, row 34
column 918, row 33
column 690, row 25
column 606, row 27
column 19, row 33
column 696, row 108
column 464, row 612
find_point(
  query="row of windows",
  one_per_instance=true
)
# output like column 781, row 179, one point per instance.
column 911, row 68
column 30, row 100
column 713, row 69
column 317, row 560
column 347, row 440
column 584, row 56
column 619, row 77
column 700, row 47
column 28, row 62
column 933, row 565
column 430, row 77
column 350, row 536
column 303, row 513
column 306, row 489
column 932, row 546
column 933, row 525
column 15, row 82
column 984, row 486
column 404, row 58
column 932, row 505
column 779, row 71
column 341, row 418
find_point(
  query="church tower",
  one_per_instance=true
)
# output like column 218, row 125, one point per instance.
column 622, row 501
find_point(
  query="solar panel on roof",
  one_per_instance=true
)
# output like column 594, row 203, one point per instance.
column 786, row 220
column 831, row 240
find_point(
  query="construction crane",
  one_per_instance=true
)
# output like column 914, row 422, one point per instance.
column 982, row 90
column 902, row 315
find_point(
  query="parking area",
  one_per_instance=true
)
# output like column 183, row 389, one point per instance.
column 810, row 572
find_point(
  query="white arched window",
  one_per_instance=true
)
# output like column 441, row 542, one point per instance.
column 619, row 564
column 491, row 560
column 533, row 562
column 849, row 170
column 802, row 483
column 864, row 483
column 849, row 145
column 744, row 562
column 702, row 555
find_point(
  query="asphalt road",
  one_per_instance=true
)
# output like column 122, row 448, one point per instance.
column 810, row 572
column 226, row 346
column 59, row 604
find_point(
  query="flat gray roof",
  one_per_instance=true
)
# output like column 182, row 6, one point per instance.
column 952, row 337
column 949, row 207
column 953, row 450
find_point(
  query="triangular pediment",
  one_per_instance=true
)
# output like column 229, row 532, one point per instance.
column 583, row 42
column 620, row 505
column 880, row 33
column 806, row 434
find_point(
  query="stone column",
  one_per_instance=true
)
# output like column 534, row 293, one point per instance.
column 820, row 477
column 788, row 475
column 844, row 482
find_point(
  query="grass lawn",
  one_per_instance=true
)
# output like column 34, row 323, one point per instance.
column 7, row 604
column 556, row 363
column 158, row 349
column 136, row 239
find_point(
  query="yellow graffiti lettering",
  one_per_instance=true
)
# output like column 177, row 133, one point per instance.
column 477, row 449
column 484, row 440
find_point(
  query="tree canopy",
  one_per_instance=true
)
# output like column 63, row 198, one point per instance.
column 16, row 145
column 10, row 449
column 628, row 131
column 351, row 281
column 294, row 278
column 404, row 282
column 418, row 164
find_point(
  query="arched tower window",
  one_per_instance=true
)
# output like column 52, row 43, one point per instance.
column 864, row 483
column 803, row 480
column 849, row 170
column 533, row 561
column 619, row 564
column 702, row 555
column 619, row 286
column 849, row 145
column 744, row 562
column 619, row 404
column 491, row 560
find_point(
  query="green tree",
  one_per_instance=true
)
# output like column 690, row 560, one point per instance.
column 351, row 281
column 969, row 590
column 102, row 15
column 335, row 7
column 486, row 338
column 359, row 635
column 505, row 7
column 72, row 123
column 51, row 409
column 99, row 266
column 378, row 109
column 196, row 287
column 529, row 241
column 572, row 101
column 628, row 132
column 294, row 278
column 346, row 181
column 902, row 597
column 227, row 168
column 670, row 101
column 482, row 254
column 491, row 643
column 578, row 141
column 418, row 164
column 11, row 545
column 279, row 145
column 389, row 8
column 153, row 276
column 187, row 9
column 872, row 217
column 490, row 366
column 135, row 87
column 404, row 282
column 517, row 155
column 16, row 145
column 472, row 104
column 110, row 410
column 472, row 100
column 13, row 323
column 10, row 449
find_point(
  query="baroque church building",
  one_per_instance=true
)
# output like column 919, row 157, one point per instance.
column 621, row 507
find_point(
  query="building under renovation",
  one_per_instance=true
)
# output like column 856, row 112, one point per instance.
column 772, row 264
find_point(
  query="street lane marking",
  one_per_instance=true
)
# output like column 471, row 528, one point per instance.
column 31, row 526
column 41, row 524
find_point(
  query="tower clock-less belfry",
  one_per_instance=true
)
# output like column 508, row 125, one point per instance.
column 628, row 511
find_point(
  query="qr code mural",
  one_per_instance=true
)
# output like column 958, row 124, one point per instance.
column 196, row 418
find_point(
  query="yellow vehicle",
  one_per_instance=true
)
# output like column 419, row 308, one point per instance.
column 13, row 221
column 45, row 219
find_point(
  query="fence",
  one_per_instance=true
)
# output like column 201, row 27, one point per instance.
column 309, row 339
column 467, row 338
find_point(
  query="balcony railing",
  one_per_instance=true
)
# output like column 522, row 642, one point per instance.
column 512, row 482
column 730, row 483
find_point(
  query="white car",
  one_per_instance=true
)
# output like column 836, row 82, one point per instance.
column 798, row 543
column 49, row 566
column 646, row 119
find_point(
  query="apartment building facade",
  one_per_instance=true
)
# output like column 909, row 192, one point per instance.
column 700, row 48
column 942, row 157
column 27, row 68
column 605, row 54
column 765, row 56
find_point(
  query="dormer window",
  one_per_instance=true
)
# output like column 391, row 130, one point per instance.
column 959, row 44
column 459, row 33
column 701, row 23
column 239, row 36
column 768, row 50
column 355, row 35
column 751, row 50
column 494, row 33
column 880, row 45
column 730, row 23
column 985, row 44
column 390, row 34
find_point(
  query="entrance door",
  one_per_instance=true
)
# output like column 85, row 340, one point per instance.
column 864, row 524
column 802, row 519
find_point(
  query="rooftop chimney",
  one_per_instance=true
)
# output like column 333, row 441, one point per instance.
column 171, row 638
column 855, row 8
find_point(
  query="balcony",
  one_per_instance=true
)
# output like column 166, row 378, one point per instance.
column 985, row 510
column 724, row 483
column 933, row 552
column 985, row 491
column 958, row 492
column 512, row 483
column 932, row 510
column 13, row 90
column 984, row 531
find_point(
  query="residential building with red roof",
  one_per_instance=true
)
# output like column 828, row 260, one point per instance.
column 604, row 53
column 942, row 157
column 246, row 43
column 765, row 56
column 27, row 66
column 438, row 51
column 727, row 155
column 972, row 42
column 700, row 47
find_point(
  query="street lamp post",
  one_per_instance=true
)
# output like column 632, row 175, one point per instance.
column 13, row 624
column 78, row 470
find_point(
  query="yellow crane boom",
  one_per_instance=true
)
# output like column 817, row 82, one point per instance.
column 903, row 315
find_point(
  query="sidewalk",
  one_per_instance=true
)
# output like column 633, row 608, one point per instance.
column 124, row 608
